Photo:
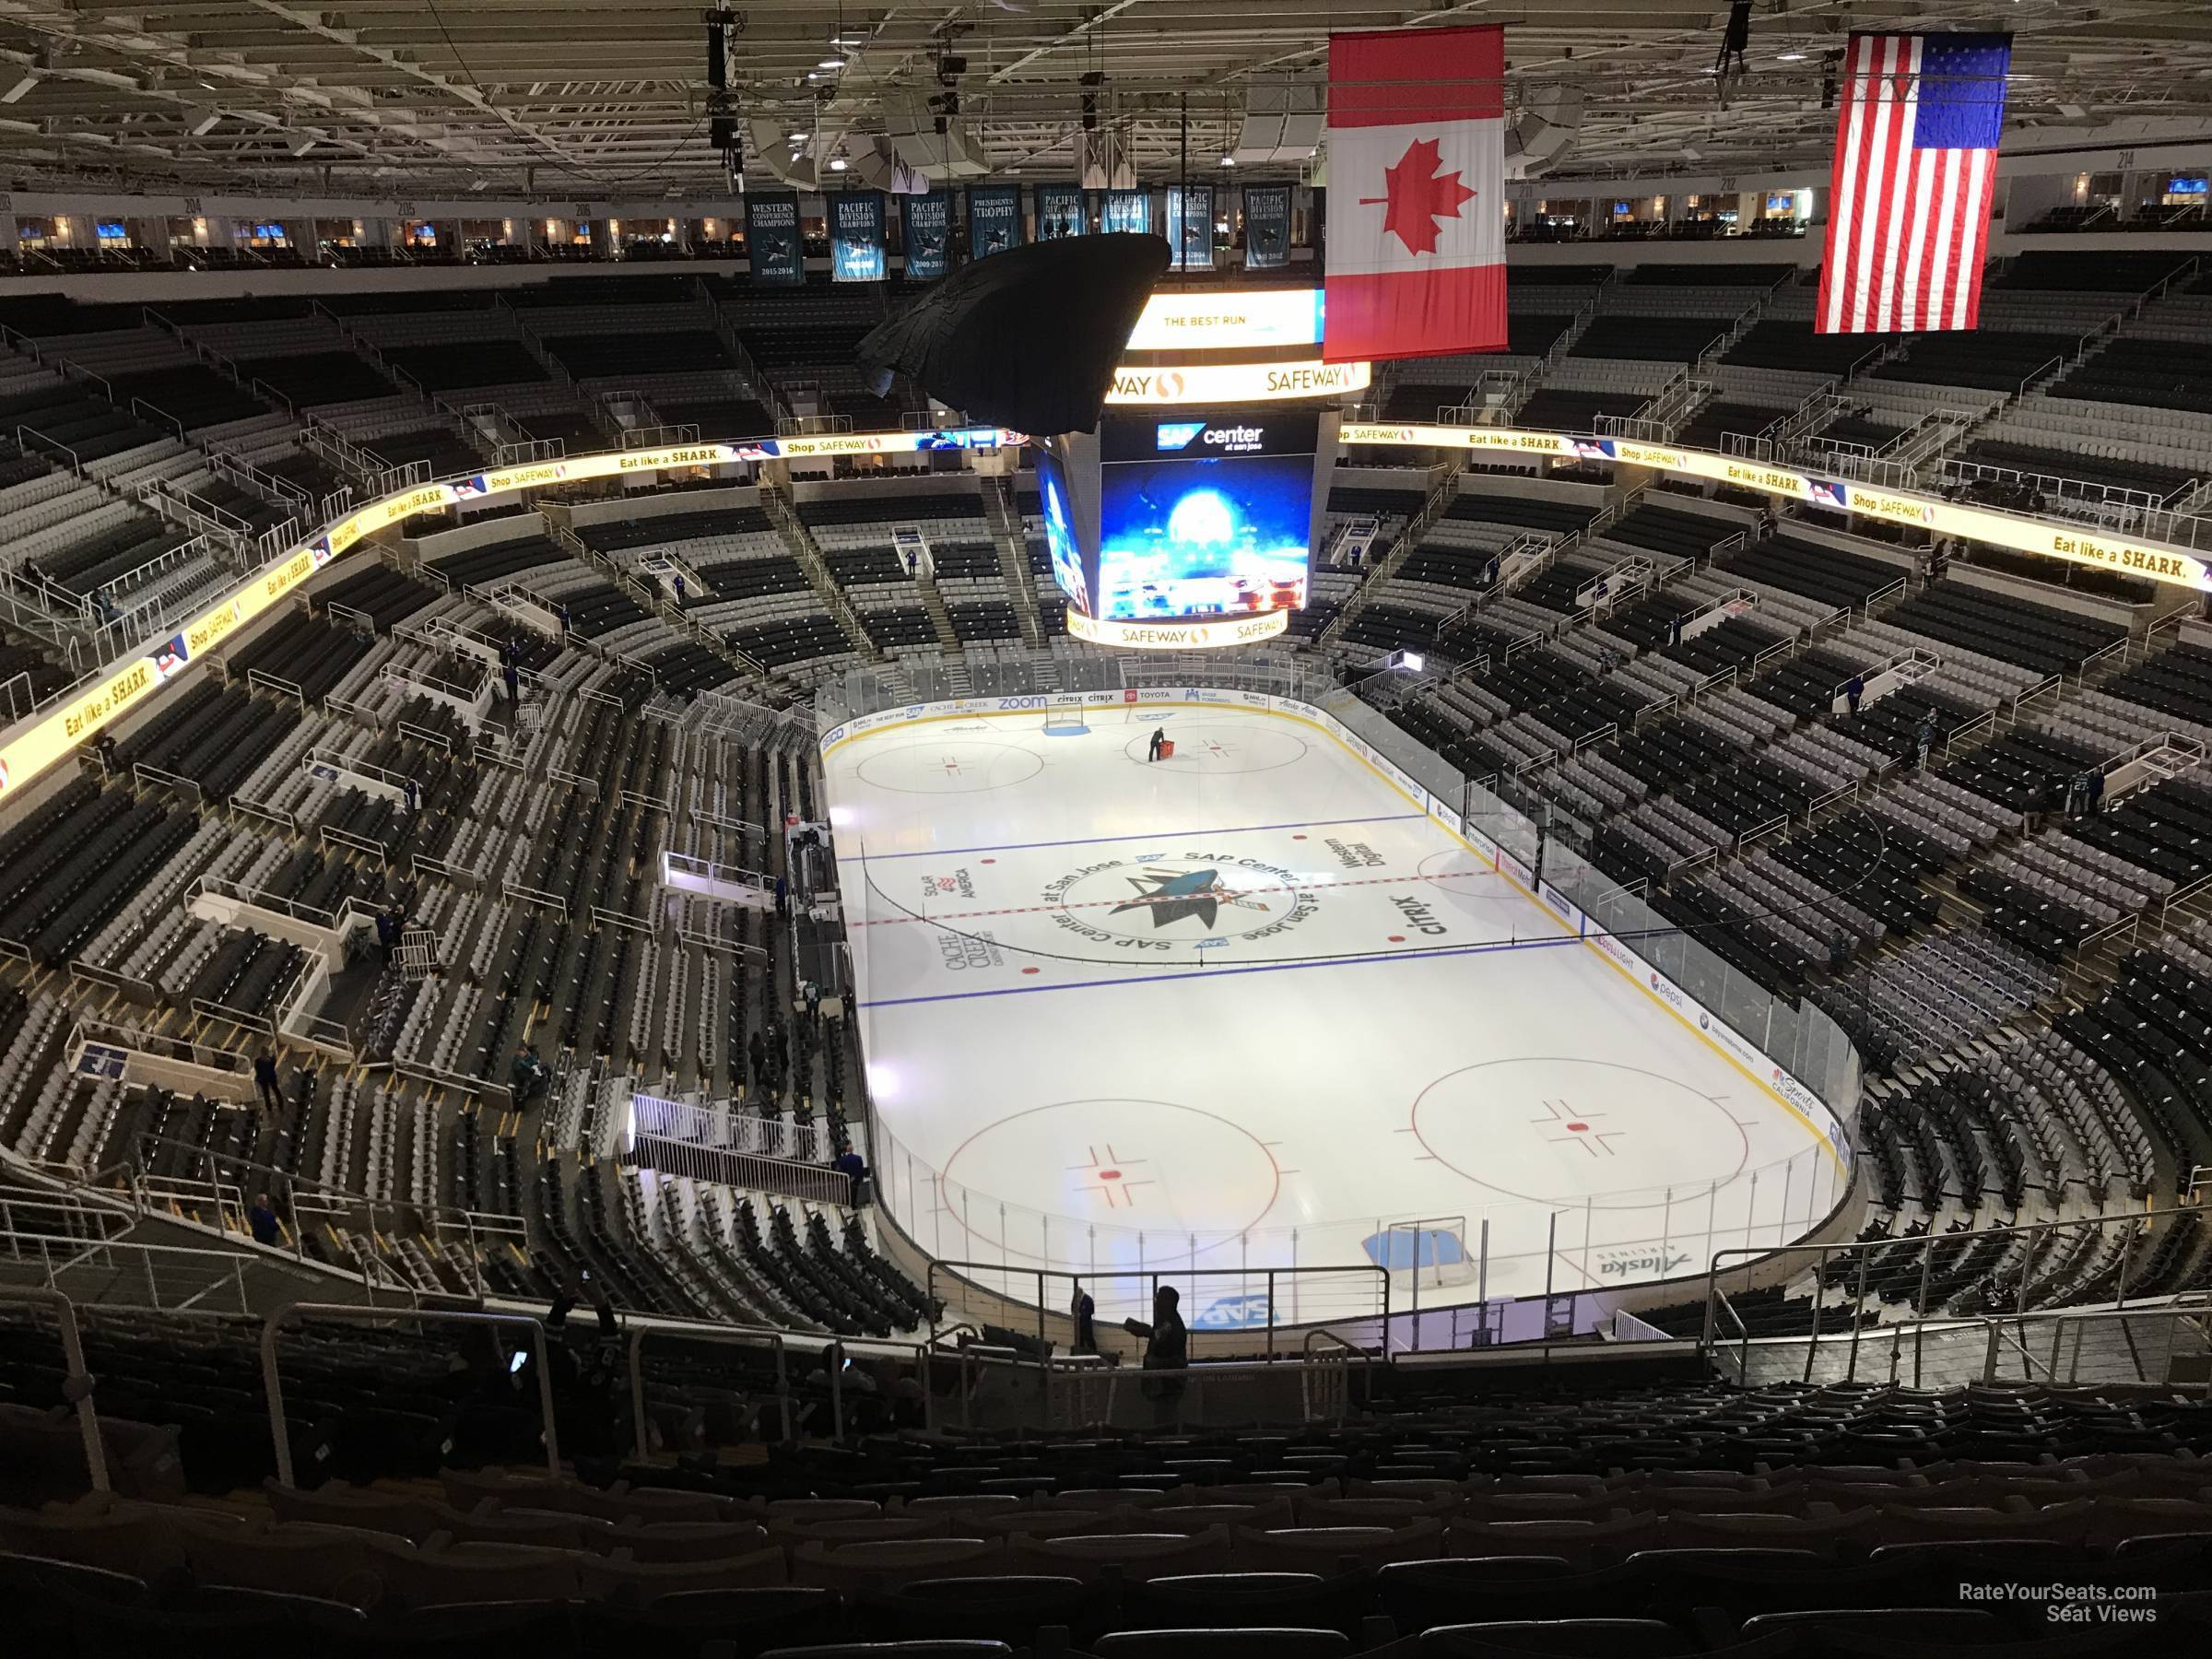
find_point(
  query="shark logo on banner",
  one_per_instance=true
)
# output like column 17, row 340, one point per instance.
column 771, row 238
column 1060, row 212
column 1127, row 210
column 1266, row 226
column 994, row 220
column 925, row 222
column 856, row 237
column 1191, row 226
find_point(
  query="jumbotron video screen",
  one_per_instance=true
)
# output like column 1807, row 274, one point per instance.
column 1204, row 517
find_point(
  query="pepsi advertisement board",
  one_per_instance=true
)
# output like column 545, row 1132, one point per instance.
column 1205, row 516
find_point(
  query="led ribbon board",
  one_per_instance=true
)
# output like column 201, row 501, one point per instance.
column 2078, row 544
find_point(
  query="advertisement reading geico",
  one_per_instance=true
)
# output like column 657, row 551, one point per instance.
column 1205, row 516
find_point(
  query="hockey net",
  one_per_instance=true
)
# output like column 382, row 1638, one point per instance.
column 1064, row 723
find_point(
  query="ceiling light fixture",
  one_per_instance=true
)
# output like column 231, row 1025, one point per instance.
column 1791, row 57
column 832, row 63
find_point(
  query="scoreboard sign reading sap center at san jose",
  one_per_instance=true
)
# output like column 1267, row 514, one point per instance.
column 1203, row 516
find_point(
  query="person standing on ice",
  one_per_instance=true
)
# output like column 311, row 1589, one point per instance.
column 1160, row 735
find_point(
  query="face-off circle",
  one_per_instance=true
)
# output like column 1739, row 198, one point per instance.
column 953, row 764
column 1173, row 899
column 1116, row 1162
column 1565, row 1132
column 1215, row 746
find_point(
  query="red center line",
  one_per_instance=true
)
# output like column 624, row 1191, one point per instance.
column 1217, row 893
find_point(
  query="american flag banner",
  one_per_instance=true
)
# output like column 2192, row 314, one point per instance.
column 1914, row 174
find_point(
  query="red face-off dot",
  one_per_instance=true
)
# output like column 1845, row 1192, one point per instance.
column 1033, row 971
column 1398, row 939
column 990, row 861
column 1578, row 1128
column 1110, row 1175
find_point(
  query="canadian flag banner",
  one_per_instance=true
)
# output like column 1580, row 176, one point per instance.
column 1416, row 204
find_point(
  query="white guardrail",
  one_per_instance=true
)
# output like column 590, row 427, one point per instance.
column 51, row 731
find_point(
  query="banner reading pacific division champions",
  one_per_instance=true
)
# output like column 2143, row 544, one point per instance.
column 994, row 220
column 1060, row 212
column 856, row 237
column 1191, row 226
column 1127, row 210
column 925, row 224
column 1266, row 226
column 771, row 238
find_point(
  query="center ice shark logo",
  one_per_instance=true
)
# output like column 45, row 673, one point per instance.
column 1148, row 903
column 1171, row 895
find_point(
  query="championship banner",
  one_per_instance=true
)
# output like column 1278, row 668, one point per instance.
column 856, row 237
column 1127, row 210
column 1266, row 227
column 994, row 220
column 1417, row 175
column 1060, row 212
column 771, row 238
column 926, row 228
column 1191, row 226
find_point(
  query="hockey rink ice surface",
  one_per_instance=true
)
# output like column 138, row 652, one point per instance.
column 1248, row 1007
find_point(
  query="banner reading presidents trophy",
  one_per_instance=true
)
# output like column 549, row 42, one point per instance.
column 1128, row 210
column 994, row 220
column 1266, row 226
column 771, row 238
column 856, row 237
column 925, row 224
column 1060, row 212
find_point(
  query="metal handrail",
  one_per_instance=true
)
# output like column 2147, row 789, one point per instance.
column 273, row 1384
column 78, row 1382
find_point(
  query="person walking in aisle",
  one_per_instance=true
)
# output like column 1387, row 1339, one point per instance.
column 1168, row 1350
column 1160, row 735
column 386, row 936
column 414, row 798
column 1923, row 739
column 855, row 1169
column 513, row 682
column 1853, row 688
column 756, row 1051
column 813, row 999
column 260, row 1222
column 264, row 1079
column 678, row 579
column 781, row 1039
column 783, row 898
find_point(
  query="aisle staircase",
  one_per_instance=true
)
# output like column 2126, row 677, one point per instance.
column 777, row 504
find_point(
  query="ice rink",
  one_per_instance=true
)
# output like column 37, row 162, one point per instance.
column 1248, row 1007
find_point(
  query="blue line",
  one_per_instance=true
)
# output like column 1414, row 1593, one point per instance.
column 1160, row 979
column 1148, row 835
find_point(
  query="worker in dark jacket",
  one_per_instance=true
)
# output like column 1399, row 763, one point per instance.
column 1168, row 1350
column 264, row 1079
